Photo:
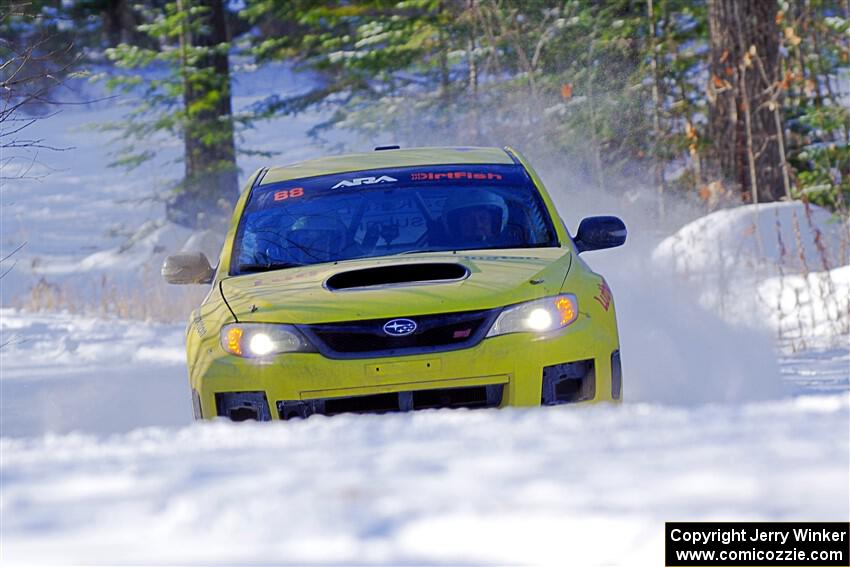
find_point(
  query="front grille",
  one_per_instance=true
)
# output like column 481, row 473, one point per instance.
column 377, row 403
column 471, row 397
column 434, row 333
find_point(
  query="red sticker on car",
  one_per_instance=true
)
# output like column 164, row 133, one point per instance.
column 604, row 297
column 293, row 193
column 431, row 176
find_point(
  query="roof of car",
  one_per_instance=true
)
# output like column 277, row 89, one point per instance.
column 411, row 157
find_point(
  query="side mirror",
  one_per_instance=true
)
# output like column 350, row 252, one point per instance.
column 190, row 268
column 598, row 233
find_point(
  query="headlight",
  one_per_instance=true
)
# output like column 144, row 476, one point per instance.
column 538, row 316
column 255, row 340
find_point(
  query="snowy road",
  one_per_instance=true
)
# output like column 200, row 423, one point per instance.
column 62, row 373
column 591, row 485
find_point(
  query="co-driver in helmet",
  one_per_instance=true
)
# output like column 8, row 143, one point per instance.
column 476, row 216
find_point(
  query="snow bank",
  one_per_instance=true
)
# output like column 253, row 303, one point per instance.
column 789, row 236
column 145, row 251
column 780, row 266
column 808, row 307
column 564, row 485
column 147, row 247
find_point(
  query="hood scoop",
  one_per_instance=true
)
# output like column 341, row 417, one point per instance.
column 397, row 275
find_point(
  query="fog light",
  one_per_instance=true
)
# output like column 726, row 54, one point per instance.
column 240, row 406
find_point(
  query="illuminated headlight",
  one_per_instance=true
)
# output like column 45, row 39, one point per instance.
column 255, row 340
column 538, row 316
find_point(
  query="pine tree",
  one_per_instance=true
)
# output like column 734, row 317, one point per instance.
column 193, row 101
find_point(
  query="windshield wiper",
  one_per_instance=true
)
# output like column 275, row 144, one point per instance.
column 267, row 267
column 426, row 250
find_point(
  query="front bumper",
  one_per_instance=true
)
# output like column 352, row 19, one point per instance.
column 510, row 370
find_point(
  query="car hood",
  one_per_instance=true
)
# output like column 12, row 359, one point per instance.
column 302, row 295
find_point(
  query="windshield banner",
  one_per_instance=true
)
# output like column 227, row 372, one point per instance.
column 419, row 177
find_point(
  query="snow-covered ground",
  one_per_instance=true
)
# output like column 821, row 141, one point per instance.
column 64, row 373
column 581, row 486
column 124, row 477
column 100, row 462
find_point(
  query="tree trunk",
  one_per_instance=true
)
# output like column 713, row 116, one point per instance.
column 657, row 84
column 112, row 24
column 747, row 155
column 120, row 24
column 210, row 186
column 472, row 14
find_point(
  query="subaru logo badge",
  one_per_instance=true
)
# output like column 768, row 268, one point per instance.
column 399, row 327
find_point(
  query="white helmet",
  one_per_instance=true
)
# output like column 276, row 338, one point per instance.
column 462, row 202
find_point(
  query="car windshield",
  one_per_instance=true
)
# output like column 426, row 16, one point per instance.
column 394, row 211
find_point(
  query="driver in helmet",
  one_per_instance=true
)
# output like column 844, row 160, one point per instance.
column 476, row 216
column 314, row 239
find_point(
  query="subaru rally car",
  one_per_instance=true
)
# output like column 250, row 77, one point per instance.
column 397, row 280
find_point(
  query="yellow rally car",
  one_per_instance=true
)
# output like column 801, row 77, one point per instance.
column 400, row 280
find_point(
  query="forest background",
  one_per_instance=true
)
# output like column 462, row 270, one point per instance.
column 719, row 101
